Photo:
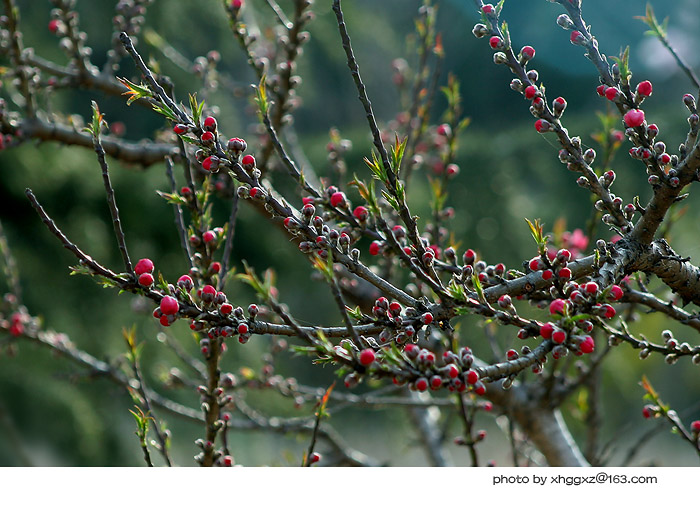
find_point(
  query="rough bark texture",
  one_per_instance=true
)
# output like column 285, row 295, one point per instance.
column 544, row 427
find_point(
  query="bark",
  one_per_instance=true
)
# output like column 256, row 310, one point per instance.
column 545, row 427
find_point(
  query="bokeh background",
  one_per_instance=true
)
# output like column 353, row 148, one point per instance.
column 50, row 414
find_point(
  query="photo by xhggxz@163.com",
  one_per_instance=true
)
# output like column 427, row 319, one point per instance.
column 324, row 233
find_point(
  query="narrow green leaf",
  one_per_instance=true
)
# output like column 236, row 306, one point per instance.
column 166, row 111
column 135, row 91
column 95, row 126
column 391, row 200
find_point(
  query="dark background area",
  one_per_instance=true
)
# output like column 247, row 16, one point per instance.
column 51, row 416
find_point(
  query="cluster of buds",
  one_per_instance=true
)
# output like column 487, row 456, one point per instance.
column 16, row 318
column 431, row 252
column 435, row 151
column 215, row 303
column 487, row 274
column 129, row 18
column 672, row 349
column 144, row 272
column 209, row 240
column 660, row 164
column 167, row 311
column 205, row 68
column 212, row 303
column 567, row 330
column 326, row 240
column 337, row 148
column 551, row 264
column 401, row 325
column 64, row 23
column 204, row 245
column 451, row 370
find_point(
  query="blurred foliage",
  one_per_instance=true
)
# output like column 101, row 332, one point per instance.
column 509, row 172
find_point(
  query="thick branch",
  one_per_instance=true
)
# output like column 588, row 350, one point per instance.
column 144, row 154
column 545, row 427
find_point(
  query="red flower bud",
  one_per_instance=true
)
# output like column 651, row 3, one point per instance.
column 527, row 52
column 169, row 305
column 634, row 118
column 143, row 266
column 530, row 91
column 644, row 88
column 367, row 357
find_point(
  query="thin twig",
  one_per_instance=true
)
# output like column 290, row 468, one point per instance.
column 112, row 202
column 468, row 424
column 9, row 267
column 189, row 177
column 61, row 344
column 320, row 412
column 362, row 91
column 392, row 182
column 338, row 297
column 426, row 424
column 284, row 425
column 679, row 60
column 179, row 218
column 141, row 389
column 17, row 56
column 228, row 247
column 82, row 256
column 280, row 13
column 286, row 160
column 157, row 88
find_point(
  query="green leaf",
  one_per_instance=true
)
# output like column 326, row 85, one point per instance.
column 142, row 421
column 623, row 63
column 397, row 152
column 646, row 385
column 95, row 126
column 196, row 108
column 355, row 313
column 172, row 197
column 261, row 96
column 106, row 283
column 499, row 7
column 166, row 111
column 439, row 193
column 135, row 91
column 325, row 266
column 537, row 231
column 463, row 124
column 190, row 140
column 456, row 291
column 324, row 402
column 263, row 287
column 391, row 200
column 80, row 270
column 506, row 34
column 478, row 288
column 400, row 192
column 377, row 168
column 367, row 193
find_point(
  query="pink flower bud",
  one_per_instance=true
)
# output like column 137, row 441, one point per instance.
column 634, row 118
column 527, row 52
column 644, row 88
column 577, row 38
column 495, row 42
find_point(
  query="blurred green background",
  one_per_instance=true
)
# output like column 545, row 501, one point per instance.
column 50, row 415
